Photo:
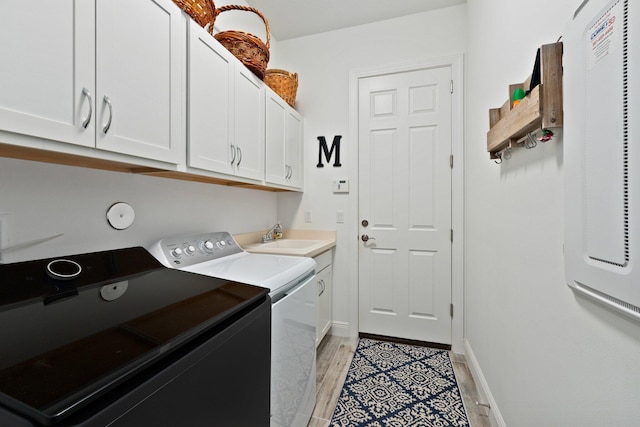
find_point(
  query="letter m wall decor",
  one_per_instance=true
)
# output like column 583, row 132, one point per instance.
column 335, row 146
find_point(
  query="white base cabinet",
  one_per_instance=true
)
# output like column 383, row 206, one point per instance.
column 105, row 74
column 325, row 291
column 283, row 143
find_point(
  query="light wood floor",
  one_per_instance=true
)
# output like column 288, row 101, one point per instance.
column 333, row 359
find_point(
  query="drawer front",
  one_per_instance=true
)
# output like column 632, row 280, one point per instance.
column 323, row 260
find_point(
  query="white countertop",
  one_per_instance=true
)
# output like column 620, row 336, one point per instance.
column 311, row 242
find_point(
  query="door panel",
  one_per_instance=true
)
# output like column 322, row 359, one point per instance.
column 47, row 59
column 209, row 119
column 146, row 101
column 248, row 121
column 405, row 195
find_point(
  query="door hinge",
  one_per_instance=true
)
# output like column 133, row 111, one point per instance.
column 451, row 86
column 451, row 161
column 451, row 310
column 451, row 235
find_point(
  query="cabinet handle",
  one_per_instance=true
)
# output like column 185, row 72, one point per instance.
column 233, row 151
column 87, row 94
column 289, row 172
column 322, row 287
column 239, row 155
column 107, row 101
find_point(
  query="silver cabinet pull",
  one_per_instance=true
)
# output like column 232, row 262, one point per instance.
column 239, row 155
column 107, row 101
column 233, row 151
column 322, row 287
column 87, row 94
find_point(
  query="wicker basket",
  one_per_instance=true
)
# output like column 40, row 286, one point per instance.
column 202, row 11
column 283, row 83
column 248, row 48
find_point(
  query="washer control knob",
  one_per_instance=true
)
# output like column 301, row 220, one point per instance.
column 221, row 244
column 176, row 253
column 190, row 250
column 208, row 246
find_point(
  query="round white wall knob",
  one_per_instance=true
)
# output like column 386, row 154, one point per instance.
column 120, row 215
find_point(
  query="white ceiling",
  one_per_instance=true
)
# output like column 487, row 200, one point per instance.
column 296, row 18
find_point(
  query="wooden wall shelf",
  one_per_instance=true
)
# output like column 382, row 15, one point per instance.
column 541, row 107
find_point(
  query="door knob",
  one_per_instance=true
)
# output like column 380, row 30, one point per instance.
column 365, row 222
column 366, row 238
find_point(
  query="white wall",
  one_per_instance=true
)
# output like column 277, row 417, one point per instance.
column 323, row 63
column 43, row 200
column 550, row 358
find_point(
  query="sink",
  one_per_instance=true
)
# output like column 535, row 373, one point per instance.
column 291, row 244
column 300, row 247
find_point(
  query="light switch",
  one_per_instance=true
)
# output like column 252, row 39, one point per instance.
column 340, row 217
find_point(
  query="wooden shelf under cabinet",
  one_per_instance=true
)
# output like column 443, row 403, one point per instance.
column 541, row 107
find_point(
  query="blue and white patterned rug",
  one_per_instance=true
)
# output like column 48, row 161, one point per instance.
column 393, row 385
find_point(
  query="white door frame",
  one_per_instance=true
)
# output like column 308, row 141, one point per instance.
column 457, row 188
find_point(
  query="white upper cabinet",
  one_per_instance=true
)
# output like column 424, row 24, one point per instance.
column 211, row 71
column 226, row 110
column 105, row 74
column 248, row 136
column 139, row 77
column 283, row 143
column 47, row 55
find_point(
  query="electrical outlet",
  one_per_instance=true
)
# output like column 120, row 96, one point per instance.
column 307, row 216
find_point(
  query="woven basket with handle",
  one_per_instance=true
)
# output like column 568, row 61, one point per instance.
column 284, row 83
column 249, row 49
column 202, row 11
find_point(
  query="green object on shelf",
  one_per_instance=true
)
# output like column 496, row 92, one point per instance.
column 518, row 94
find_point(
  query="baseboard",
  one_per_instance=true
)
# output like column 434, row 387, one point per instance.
column 340, row 329
column 483, row 387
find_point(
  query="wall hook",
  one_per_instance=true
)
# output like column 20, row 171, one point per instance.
column 499, row 157
column 530, row 141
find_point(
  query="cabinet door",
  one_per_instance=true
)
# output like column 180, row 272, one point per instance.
column 47, row 58
column 293, row 148
column 139, row 77
column 324, row 303
column 275, row 133
column 211, row 72
column 248, row 136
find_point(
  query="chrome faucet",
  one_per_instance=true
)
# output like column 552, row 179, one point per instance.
column 274, row 233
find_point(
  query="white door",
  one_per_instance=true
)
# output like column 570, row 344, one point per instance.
column 139, row 107
column 404, row 135
column 248, row 119
column 275, row 139
column 211, row 72
column 293, row 148
column 47, row 60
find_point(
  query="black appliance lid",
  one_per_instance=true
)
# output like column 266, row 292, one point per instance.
column 77, row 326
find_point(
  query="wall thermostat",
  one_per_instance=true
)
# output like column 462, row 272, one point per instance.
column 340, row 185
